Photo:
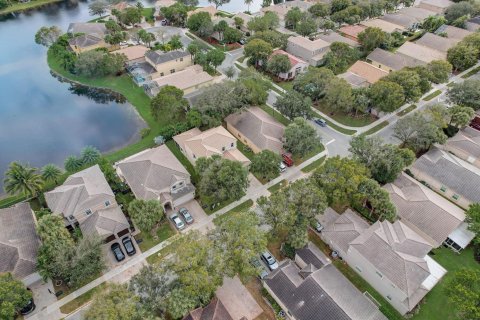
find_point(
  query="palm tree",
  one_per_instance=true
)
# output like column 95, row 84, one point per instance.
column 73, row 164
column 51, row 173
column 248, row 3
column 20, row 179
column 90, row 155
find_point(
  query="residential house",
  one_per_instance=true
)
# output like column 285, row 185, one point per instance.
column 189, row 80
column 215, row 310
column 134, row 54
column 308, row 50
column 157, row 174
column 454, row 178
column 297, row 65
column 408, row 22
column 90, row 36
column 230, row 22
column 438, row 6
column 420, row 14
column 120, row 6
column 86, row 200
column 332, row 36
column 420, row 52
column 246, row 18
column 391, row 257
column 257, row 129
column 282, row 8
column 351, row 31
column 19, row 241
column 312, row 288
column 159, row 4
column 430, row 215
column 465, row 145
column 452, row 32
column 170, row 62
column 384, row 25
column 211, row 10
column 390, row 61
column 196, row 144
column 433, row 41
column 363, row 74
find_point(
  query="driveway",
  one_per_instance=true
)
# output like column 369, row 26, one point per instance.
column 111, row 262
column 198, row 214
column 43, row 295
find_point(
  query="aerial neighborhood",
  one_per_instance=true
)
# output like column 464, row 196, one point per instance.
column 302, row 160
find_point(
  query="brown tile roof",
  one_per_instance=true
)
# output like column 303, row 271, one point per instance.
column 367, row 71
column 133, row 52
column 352, row 31
column 453, row 32
column 293, row 60
column 395, row 61
column 384, row 25
column 185, row 79
column 215, row 310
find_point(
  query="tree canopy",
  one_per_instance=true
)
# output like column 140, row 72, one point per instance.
column 266, row 164
column 145, row 213
column 169, row 104
column 301, row 138
column 463, row 291
column 13, row 296
column 22, row 180
column 294, row 104
column 466, row 93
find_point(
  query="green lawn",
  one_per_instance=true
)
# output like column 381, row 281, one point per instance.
column 298, row 160
column 242, row 207
column 163, row 232
column 377, row 128
column 407, row 110
column 436, row 304
column 471, row 73
column 277, row 115
column 81, row 300
column 432, row 95
column 345, row 118
column 183, row 160
column 332, row 125
column 148, row 14
column 20, row 6
column 247, row 152
column 278, row 186
column 10, row 201
column 314, row 165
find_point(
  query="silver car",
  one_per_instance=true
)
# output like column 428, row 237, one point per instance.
column 186, row 215
column 177, row 221
column 270, row 260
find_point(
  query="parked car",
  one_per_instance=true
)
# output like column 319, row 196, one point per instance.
column 177, row 221
column 320, row 122
column 318, row 226
column 242, row 41
column 29, row 307
column 262, row 272
column 186, row 215
column 270, row 260
column 117, row 252
column 282, row 166
column 128, row 245
column 287, row 159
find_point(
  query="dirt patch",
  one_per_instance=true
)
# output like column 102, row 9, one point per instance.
column 255, row 288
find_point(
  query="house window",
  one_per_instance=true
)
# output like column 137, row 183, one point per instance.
column 107, row 203
column 172, row 71
column 223, row 148
column 358, row 268
column 443, row 189
column 379, row 274
column 231, row 145
column 161, row 74
column 180, row 184
column 456, row 197
column 88, row 212
column 71, row 218
column 174, row 187
column 181, row 59
column 194, row 157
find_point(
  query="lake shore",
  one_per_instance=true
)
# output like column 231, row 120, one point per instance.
column 23, row 6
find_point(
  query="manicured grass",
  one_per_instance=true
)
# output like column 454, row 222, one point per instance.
column 242, row 207
column 10, row 201
column 247, row 152
column 241, row 59
column 163, row 232
column 432, row 95
column 471, row 73
column 221, row 205
column 148, row 14
column 406, row 110
column 183, row 160
column 377, row 128
column 82, row 300
column 332, row 125
column 450, row 84
column 278, row 186
column 277, row 115
column 437, row 305
column 345, row 118
column 239, row 66
column 314, row 165
column 20, row 6
column 385, row 307
column 277, row 90
column 298, row 160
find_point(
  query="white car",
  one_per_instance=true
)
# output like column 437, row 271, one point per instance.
column 282, row 166
column 270, row 260
column 177, row 221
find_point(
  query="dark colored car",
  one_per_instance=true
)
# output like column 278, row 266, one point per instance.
column 29, row 307
column 242, row 41
column 128, row 245
column 186, row 215
column 117, row 252
column 320, row 122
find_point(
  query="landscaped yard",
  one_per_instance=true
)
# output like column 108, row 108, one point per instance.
column 183, row 160
column 162, row 233
column 377, row 128
column 436, row 303
column 242, row 207
column 21, row 6
column 471, row 73
column 148, row 14
column 314, row 165
column 345, row 118
column 81, row 300
column 278, row 186
column 277, row 115
column 407, row 110
column 298, row 160
column 432, row 95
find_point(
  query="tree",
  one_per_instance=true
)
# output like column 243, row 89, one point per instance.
column 215, row 57
column 189, row 3
column 319, row 10
column 130, row 16
column 338, row 95
column 230, row 72
column 152, row 287
column 46, row 36
column 51, row 173
column 371, row 38
column 274, row 213
column 266, row 164
column 145, row 213
column 90, row 155
column 219, row 3
column 473, row 220
column 256, row 86
column 114, row 303
column 98, row 63
column 268, row 21
column 220, row 27
column 463, row 291
column 85, row 260
column 98, row 7
column 386, row 96
column 22, row 180
column 239, row 239
column 409, row 81
column 462, row 56
column 231, row 35
column 361, row 99
column 306, row 26
column 458, row 10
column 176, row 14
column 385, row 161
column 294, row 104
column 340, row 57
column 432, row 23
column 377, row 199
column 221, row 179
column 301, row 138
column 460, row 116
column 466, row 93
column 72, row 164
column 314, row 82
column 293, row 16
column 257, row 51
column 200, row 23
column 4, row 4
column 274, row 38
column 339, row 179
column 169, row 104
column 146, row 37
column 326, row 24
column 248, row 3
column 13, row 296
column 175, row 42
column 238, row 22
column 116, row 38
column 339, row 5
column 279, row 63
column 439, row 71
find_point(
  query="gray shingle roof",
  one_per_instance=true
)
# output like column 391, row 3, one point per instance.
column 84, row 41
column 436, row 42
column 18, row 240
column 395, row 61
column 466, row 140
column 401, row 19
column 452, row 172
column 105, row 222
column 96, row 29
column 310, row 254
column 159, row 56
column 215, row 310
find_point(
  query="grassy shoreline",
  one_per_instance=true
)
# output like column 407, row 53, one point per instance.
column 19, row 7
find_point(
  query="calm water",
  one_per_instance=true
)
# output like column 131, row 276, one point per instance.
column 236, row 5
column 44, row 120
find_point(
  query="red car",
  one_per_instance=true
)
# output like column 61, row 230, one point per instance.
column 287, row 159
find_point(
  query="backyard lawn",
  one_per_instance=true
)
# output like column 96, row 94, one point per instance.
column 346, row 119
